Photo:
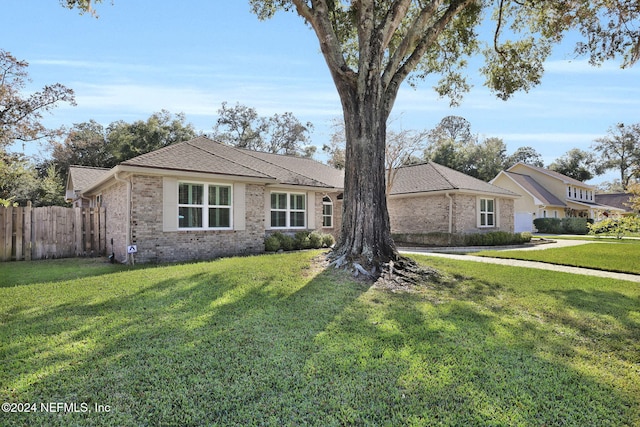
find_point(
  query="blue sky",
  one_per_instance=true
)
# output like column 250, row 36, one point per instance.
column 142, row 56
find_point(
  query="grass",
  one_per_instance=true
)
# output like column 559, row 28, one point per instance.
column 616, row 257
column 269, row 340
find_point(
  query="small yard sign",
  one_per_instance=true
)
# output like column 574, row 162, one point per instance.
column 132, row 249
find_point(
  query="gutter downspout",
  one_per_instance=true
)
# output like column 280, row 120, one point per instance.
column 128, row 224
column 450, row 212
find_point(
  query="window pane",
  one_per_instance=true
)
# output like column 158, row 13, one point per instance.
column 220, row 195
column 219, row 217
column 190, row 194
column 189, row 217
column 297, row 202
column 489, row 205
column 297, row 219
column 483, row 205
column 327, row 221
column 490, row 219
column 278, row 201
column 483, row 220
column 278, row 219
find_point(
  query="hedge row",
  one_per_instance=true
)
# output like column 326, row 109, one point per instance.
column 301, row 240
column 493, row 238
column 616, row 226
column 562, row 226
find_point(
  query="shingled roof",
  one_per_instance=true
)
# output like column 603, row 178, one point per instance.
column 430, row 177
column 204, row 155
column 531, row 186
column 81, row 177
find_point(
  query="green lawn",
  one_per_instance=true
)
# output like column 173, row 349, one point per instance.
column 620, row 256
column 268, row 340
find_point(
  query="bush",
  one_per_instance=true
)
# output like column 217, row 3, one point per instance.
column 315, row 240
column 496, row 238
column 616, row 226
column 271, row 244
column 548, row 225
column 328, row 240
column 301, row 240
column 574, row 225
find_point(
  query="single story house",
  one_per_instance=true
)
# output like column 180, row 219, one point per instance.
column 549, row 194
column 201, row 199
column 429, row 198
column 621, row 201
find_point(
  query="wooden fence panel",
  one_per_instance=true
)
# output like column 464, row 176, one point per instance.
column 51, row 232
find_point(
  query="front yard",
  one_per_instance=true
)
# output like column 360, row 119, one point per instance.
column 273, row 340
column 621, row 256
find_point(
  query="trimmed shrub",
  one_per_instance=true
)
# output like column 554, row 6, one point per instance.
column 328, row 240
column 286, row 242
column 271, row 244
column 315, row 240
column 574, row 225
column 496, row 238
column 301, row 240
column 548, row 225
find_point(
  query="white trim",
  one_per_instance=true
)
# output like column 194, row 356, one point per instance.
column 205, row 205
column 486, row 212
column 287, row 209
column 330, row 203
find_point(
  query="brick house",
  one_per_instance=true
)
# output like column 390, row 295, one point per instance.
column 200, row 199
column 429, row 203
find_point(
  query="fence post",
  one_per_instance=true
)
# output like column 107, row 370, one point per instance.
column 5, row 233
column 26, row 232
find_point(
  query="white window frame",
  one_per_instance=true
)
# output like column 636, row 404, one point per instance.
column 326, row 201
column 288, row 210
column 205, row 206
column 485, row 213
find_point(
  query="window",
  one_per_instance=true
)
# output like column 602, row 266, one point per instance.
column 288, row 210
column 487, row 213
column 327, row 212
column 204, row 206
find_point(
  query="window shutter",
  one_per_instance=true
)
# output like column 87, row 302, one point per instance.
column 239, row 206
column 169, row 204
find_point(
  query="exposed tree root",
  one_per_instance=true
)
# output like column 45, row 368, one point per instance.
column 401, row 273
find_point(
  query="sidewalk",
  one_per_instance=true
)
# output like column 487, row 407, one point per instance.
column 527, row 264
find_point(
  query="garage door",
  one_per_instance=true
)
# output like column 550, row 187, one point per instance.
column 524, row 222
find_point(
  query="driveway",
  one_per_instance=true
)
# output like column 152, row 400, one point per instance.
column 447, row 253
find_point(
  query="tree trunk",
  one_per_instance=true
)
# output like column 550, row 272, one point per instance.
column 365, row 241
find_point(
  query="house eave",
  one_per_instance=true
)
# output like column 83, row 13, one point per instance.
column 454, row 191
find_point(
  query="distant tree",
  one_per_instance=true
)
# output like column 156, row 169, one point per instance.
column 452, row 144
column 242, row 127
column 128, row 140
column 576, row 164
column 18, row 178
column 20, row 115
column 634, row 190
column 620, row 150
column 50, row 188
column 489, row 158
column 526, row 155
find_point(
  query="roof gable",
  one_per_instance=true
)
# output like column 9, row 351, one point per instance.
column 531, row 186
column 81, row 177
column 553, row 174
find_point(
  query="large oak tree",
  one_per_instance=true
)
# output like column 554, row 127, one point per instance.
column 372, row 46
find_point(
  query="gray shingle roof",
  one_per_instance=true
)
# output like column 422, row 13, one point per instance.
column 554, row 174
column 429, row 177
column 617, row 200
column 535, row 189
column 205, row 155
column 81, row 177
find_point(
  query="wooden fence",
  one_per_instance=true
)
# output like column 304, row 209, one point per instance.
column 28, row 233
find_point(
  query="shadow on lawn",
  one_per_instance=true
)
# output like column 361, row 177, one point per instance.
column 256, row 348
column 189, row 350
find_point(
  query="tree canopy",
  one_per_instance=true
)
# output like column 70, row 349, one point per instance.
column 620, row 150
column 20, row 115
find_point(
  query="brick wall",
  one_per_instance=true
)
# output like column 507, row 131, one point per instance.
column 155, row 245
column 430, row 214
column 114, row 199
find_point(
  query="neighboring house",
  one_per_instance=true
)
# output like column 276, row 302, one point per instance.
column 430, row 198
column 621, row 201
column 201, row 199
column 549, row 194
